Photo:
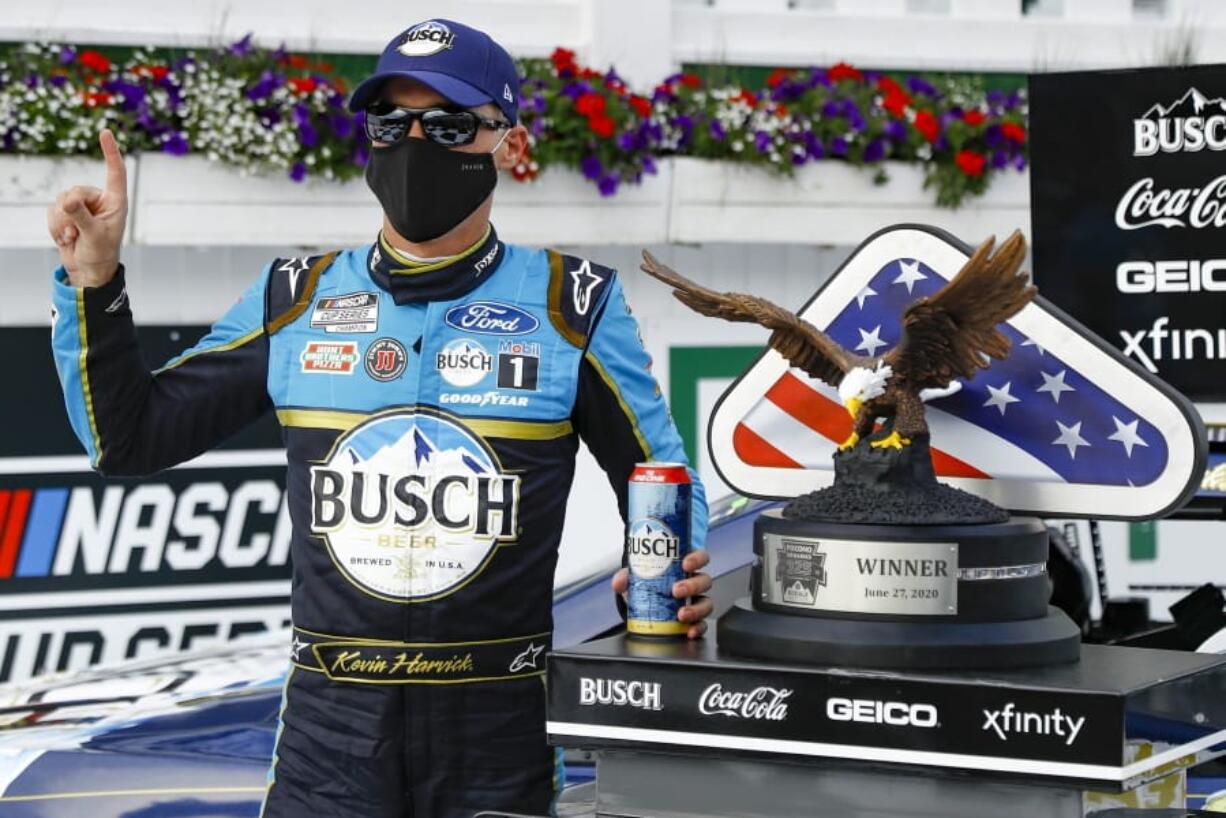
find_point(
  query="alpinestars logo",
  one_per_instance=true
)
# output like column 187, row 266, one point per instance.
column 412, row 506
column 1009, row 721
column 1190, row 124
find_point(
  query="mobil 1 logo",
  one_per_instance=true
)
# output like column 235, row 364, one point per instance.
column 519, row 364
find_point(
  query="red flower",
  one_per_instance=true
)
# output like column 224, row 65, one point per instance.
column 590, row 104
column 777, row 76
column 691, row 81
column 590, row 74
column 973, row 118
column 562, row 56
column 747, row 97
column 297, row 61
column 970, row 162
column 323, row 67
column 927, row 124
column 158, row 72
column 896, row 103
column 303, row 85
column 843, row 71
column 888, row 86
column 1013, row 132
column 781, row 110
column 95, row 98
column 95, row 61
column 641, row 105
column 602, row 125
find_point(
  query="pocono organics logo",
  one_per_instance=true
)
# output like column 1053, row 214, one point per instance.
column 652, row 547
column 412, row 506
column 464, row 362
column 329, row 357
column 425, row 39
column 491, row 318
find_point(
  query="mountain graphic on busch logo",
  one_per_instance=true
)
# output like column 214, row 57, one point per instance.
column 412, row 505
column 491, row 318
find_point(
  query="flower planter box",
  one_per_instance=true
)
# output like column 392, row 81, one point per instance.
column 28, row 184
column 191, row 201
column 828, row 203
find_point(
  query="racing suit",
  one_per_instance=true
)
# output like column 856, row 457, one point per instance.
column 431, row 414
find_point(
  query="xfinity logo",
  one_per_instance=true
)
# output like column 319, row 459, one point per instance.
column 1009, row 721
column 1191, row 124
column 620, row 693
column 870, row 711
column 762, row 703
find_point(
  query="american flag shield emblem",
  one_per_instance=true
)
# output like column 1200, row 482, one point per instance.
column 1065, row 426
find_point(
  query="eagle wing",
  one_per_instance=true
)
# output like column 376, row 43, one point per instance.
column 801, row 343
column 948, row 335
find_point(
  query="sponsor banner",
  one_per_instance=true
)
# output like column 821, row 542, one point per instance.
column 1128, row 208
column 756, row 707
column 96, row 570
column 353, row 312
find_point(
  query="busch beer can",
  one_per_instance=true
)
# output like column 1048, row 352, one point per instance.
column 657, row 539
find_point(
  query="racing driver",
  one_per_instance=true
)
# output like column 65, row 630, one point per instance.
column 432, row 388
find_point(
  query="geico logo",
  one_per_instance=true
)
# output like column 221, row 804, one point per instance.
column 482, row 504
column 619, row 692
column 653, row 545
column 205, row 522
column 473, row 359
column 1176, row 276
column 483, row 399
column 870, row 711
column 1173, row 135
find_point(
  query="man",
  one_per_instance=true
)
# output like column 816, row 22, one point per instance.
column 432, row 388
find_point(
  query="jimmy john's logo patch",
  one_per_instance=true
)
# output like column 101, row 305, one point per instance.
column 354, row 312
column 412, row 505
column 329, row 357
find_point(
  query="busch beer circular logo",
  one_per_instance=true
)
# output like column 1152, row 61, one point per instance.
column 652, row 548
column 425, row 39
column 412, row 505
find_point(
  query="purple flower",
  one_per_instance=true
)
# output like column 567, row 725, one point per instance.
column 838, row 146
column 814, row 145
column 133, row 95
column 993, row 137
column 537, row 103
column 590, row 167
column 608, row 184
column 58, row 80
column 32, row 80
column 831, row 108
column 762, row 141
column 895, row 130
column 537, row 127
column 612, row 76
column 1019, row 162
column 649, row 165
column 269, row 117
column 917, row 85
column 241, row 48
column 574, row 90
column 683, row 122
column 716, row 130
column 653, row 132
column 799, row 158
column 302, row 115
column 874, row 151
column 176, row 144
column 856, row 122
column 849, row 109
column 361, row 154
column 996, row 98
column 1000, row 159
column 67, row 54
column 342, row 125
column 941, row 144
column 817, row 76
column 1013, row 100
column 627, row 141
column 336, row 101
column 307, row 135
column 298, row 172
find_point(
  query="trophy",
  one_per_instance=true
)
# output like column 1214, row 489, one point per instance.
column 888, row 567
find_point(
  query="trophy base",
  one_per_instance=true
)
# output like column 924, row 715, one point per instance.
column 1048, row 640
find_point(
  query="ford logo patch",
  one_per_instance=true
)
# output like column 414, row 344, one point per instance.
column 491, row 318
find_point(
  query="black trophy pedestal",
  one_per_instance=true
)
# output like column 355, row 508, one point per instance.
column 683, row 729
column 944, row 596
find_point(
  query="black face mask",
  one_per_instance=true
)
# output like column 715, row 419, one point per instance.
column 427, row 189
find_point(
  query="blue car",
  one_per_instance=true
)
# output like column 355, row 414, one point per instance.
column 191, row 736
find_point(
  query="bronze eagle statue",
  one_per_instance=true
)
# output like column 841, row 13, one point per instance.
column 949, row 335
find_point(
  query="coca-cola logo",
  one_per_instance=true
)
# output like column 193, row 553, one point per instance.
column 763, row 703
column 1196, row 207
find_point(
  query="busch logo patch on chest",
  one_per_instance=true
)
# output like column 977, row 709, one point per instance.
column 412, row 505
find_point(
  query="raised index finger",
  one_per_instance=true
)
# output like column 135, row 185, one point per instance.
column 116, row 173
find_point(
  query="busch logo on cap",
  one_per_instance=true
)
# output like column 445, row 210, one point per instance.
column 425, row 39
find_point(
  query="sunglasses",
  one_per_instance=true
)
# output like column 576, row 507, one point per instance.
column 389, row 123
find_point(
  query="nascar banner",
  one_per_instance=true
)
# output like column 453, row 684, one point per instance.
column 96, row 570
column 1127, row 194
column 1064, row 426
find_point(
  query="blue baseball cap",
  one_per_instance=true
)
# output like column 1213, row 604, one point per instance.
column 461, row 63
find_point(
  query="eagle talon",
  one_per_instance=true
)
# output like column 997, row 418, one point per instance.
column 894, row 441
column 849, row 442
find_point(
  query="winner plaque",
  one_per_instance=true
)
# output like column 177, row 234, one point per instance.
column 888, row 567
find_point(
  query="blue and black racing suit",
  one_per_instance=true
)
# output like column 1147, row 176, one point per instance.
column 431, row 415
